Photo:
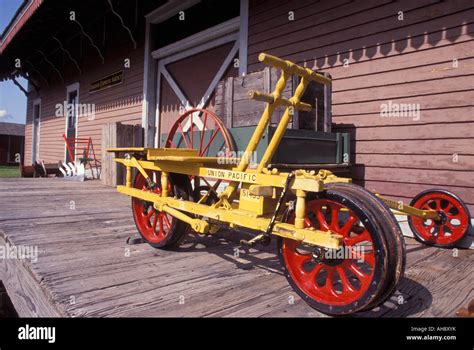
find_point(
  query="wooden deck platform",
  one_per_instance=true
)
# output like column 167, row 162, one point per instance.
column 85, row 267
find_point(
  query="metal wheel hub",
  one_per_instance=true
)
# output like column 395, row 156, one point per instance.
column 442, row 218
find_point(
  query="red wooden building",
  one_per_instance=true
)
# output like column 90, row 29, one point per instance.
column 403, row 73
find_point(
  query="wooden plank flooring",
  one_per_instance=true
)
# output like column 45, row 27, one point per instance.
column 85, row 267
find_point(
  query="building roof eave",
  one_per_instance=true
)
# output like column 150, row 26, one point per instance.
column 25, row 11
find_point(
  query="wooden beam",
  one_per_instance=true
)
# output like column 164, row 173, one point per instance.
column 220, row 73
column 149, row 87
column 243, row 36
column 19, row 86
column 182, row 97
column 157, row 120
column 169, row 9
column 9, row 148
column 199, row 39
column 327, row 108
column 229, row 101
column 201, row 48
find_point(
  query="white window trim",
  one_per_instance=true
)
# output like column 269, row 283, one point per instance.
column 70, row 88
column 73, row 87
column 36, row 102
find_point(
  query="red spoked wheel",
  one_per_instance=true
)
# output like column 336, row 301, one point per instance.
column 335, row 281
column 393, row 235
column 157, row 228
column 454, row 218
column 202, row 130
column 353, row 278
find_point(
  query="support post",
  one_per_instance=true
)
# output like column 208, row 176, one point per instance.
column 128, row 177
column 300, row 208
column 164, row 184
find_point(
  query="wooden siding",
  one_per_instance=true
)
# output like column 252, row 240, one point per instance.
column 121, row 103
column 409, row 61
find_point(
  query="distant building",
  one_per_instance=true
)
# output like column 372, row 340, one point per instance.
column 12, row 138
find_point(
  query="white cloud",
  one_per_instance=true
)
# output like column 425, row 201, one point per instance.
column 4, row 116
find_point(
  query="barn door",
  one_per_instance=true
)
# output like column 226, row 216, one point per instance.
column 188, row 79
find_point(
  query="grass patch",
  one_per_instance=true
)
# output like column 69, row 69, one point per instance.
column 9, row 171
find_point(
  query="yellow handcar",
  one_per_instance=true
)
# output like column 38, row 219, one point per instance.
column 340, row 246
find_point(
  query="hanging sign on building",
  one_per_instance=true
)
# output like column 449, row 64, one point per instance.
column 107, row 82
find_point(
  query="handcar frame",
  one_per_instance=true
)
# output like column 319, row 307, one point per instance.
column 310, row 212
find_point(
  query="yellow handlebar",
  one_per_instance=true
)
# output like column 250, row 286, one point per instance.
column 270, row 98
column 293, row 68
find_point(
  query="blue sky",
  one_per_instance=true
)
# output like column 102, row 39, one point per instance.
column 12, row 100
